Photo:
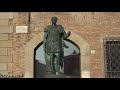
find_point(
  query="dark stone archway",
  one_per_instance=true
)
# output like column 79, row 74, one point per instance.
column 71, row 63
column 81, row 42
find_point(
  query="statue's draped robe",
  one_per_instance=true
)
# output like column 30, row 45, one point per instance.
column 53, row 41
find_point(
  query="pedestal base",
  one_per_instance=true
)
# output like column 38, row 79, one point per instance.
column 57, row 76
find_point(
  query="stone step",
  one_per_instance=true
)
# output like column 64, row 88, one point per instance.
column 3, row 22
column 6, row 15
column 6, row 44
column 6, row 29
column 3, row 36
column 3, row 66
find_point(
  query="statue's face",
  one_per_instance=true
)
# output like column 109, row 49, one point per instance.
column 54, row 20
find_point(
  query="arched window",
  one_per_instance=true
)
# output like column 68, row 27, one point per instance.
column 71, row 65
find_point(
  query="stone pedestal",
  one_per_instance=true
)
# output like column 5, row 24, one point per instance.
column 57, row 76
column 51, row 75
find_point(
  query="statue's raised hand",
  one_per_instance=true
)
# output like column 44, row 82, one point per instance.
column 69, row 33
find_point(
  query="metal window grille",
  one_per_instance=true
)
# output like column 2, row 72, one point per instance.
column 112, row 57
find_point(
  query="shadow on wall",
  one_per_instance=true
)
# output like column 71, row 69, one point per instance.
column 71, row 65
column 40, row 70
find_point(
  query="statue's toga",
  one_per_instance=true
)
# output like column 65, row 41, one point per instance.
column 54, row 45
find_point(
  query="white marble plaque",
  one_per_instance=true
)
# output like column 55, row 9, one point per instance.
column 93, row 51
column 21, row 29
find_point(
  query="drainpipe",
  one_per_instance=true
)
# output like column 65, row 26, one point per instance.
column 29, row 19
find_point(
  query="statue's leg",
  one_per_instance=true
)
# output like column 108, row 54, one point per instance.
column 62, row 62
column 52, row 62
column 48, row 62
column 57, row 62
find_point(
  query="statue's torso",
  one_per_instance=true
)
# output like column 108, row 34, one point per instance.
column 54, row 39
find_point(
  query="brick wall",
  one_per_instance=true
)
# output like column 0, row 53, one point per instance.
column 91, row 26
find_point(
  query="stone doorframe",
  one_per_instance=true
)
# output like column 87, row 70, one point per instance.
column 84, row 50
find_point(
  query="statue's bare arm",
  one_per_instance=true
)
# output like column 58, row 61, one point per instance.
column 65, row 35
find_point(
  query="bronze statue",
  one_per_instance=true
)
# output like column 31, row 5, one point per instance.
column 54, row 45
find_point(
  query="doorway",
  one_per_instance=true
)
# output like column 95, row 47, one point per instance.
column 71, row 65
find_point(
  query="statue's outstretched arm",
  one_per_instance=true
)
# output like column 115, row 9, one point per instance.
column 66, row 35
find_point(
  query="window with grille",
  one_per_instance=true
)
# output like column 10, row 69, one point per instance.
column 112, row 57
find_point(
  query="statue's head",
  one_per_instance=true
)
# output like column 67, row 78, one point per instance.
column 54, row 20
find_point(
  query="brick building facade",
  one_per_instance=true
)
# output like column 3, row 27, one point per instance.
column 88, row 29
